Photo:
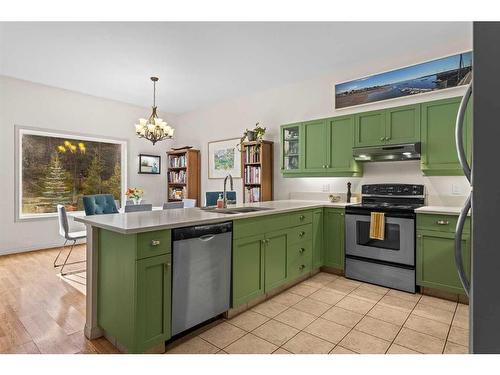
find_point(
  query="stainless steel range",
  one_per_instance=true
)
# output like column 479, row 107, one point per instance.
column 389, row 262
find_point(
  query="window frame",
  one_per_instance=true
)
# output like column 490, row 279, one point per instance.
column 18, row 190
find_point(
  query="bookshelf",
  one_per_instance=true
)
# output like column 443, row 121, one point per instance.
column 257, row 166
column 183, row 175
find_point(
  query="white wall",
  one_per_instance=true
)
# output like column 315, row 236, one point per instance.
column 305, row 101
column 29, row 104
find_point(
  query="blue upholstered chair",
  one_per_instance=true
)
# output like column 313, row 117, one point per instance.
column 212, row 196
column 138, row 207
column 99, row 204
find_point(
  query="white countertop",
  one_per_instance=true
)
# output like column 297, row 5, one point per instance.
column 135, row 222
column 444, row 210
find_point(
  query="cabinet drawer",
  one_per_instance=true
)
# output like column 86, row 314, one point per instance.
column 301, row 217
column 153, row 243
column 300, row 234
column 442, row 223
column 299, row 262
column 259, row 225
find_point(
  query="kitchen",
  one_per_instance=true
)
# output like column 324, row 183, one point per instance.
column 335, row 229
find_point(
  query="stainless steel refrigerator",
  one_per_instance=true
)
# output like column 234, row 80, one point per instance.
column 484, row 284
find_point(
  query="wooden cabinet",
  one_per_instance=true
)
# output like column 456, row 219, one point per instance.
column 154, row 298
column 257, row 167
column 439, row 155
column 248, row 269
column 317, row 241
column 388, row 126
column 333, row 237
column 314, row 142
column 369, row 128
column 183, row 175
column 134, row 298
column 275, row 267
column 435, row 266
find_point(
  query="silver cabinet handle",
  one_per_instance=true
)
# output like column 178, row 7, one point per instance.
column 155, row 242
column 382, row 138
column 442, row 222
column 301, row 217
column 301, row 250
column 167, row 265
column 301, row 233
column 301, row 267
column 459, row 134
column 459, row 262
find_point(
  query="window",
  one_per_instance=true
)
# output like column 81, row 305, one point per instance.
column 59, row 168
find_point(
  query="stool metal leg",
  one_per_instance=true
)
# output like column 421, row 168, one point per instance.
column 65, row 263
column 58, row 255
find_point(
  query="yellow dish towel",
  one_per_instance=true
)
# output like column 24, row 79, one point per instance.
column 377, row 225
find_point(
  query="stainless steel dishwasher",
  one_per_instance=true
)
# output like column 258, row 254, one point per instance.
column 201, row 274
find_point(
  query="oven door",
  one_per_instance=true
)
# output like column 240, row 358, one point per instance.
column 398, row 246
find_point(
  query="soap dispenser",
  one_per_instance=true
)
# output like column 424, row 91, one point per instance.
column 220, row 202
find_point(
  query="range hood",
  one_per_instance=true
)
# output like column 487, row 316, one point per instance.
column 406, row 151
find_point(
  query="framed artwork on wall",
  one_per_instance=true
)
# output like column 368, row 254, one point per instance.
column 224, row 158
column 149, row 164
column 444, row 73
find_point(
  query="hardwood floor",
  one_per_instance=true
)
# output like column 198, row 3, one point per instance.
column 39, row 312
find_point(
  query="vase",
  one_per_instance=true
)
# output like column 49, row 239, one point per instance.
column 250, row 135
column 136, row 200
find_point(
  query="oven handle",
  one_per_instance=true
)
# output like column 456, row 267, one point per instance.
column 458, row 246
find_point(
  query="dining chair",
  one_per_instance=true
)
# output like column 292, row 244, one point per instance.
column 138, row 207
column 99, row 204
column 68, row 236
column 211, row 197
column 170, row 205
column 188, row 203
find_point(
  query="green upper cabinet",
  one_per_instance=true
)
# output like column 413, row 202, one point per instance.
column 333, row 237
column 275, row 259
column 248, row 269
column 402, row 124
column 291, row 162
column 314, row 144
column 369, row 128
column 439, row 155
column 388, row 126
column 340, row 141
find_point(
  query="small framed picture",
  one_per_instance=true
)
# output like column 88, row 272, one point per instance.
column 149, row 164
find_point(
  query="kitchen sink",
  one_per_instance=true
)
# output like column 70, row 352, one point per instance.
column 235, row 210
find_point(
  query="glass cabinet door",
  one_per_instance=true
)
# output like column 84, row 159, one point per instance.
column 291, row 148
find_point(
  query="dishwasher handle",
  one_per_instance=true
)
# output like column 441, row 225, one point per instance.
column 207, row 237
column 203, row 232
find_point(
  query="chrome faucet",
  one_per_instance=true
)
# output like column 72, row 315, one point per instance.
column 231, row 186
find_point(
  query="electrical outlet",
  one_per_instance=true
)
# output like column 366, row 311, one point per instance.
column 326, row 188
column 456, row 189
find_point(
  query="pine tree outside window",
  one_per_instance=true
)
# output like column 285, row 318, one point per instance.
column 60, row 168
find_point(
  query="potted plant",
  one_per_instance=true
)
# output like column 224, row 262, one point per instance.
column 135, row 194
column 256, row 134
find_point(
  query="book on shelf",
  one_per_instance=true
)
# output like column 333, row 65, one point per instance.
column 252, row 154
column 177, row 161
column 177, row 177
column 252, row 174
column 252, row 194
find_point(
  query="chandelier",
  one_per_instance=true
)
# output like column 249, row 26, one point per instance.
column 154, row 128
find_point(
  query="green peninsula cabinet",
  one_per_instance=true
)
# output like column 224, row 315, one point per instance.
column 439, row 155
column 268, row 252
column 435, row 265
column 134, row 288
column 388, row 126
column 333, row 237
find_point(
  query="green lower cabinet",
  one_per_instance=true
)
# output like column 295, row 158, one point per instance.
column 134, row 295
column 154, row 298
column 248, row 269
column 275, row 268
column 436, row 260
column 317, row 241
column 333, row 237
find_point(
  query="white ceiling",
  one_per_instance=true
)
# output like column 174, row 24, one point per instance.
column 202, row 63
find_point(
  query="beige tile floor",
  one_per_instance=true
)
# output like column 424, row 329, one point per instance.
column 331, row 314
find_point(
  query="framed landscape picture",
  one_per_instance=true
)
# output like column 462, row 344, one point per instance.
column 439, row 74
column 149, row 164
column 224, row 158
